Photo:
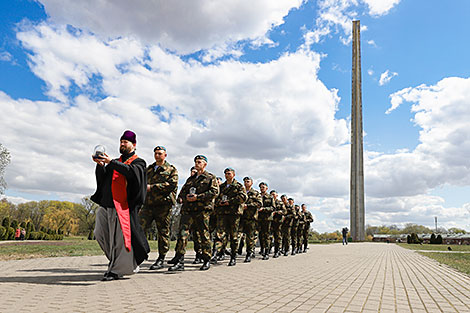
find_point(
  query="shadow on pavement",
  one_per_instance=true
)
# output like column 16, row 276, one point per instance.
column 64, row 280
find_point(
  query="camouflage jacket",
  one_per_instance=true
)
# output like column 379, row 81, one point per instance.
column 301, row 218
column 206, row 190
column 295, row 218
column 308, row 217
column 235, row 195
column 253, row 203
column 279, row 211
column 265, row 213
column 163, row 183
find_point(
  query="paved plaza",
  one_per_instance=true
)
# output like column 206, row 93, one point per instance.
column 360, row 277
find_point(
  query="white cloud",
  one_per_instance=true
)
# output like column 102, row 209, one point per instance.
column 370, row 72
column 380, row 7
column 183, row 26
column 5, row 56
column 386, row 76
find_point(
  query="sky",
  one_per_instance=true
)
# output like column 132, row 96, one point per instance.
column 261, row 86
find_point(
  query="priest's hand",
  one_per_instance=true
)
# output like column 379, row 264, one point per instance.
column 97, row 160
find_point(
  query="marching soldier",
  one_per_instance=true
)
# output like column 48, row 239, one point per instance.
column 300, row 231
column 295, row 223
column 278, row 218
column 162, row 184
column 198, row 194
column 308, row 220
column 249, row 217
column 265, row 216
column 287, row 225
column 229, row 210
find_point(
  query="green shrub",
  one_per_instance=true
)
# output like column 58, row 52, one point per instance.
column 6, row 222
column 11, row 233
column 408, row 239
column 433, row 239
column 3, row 231
column 23, row 225
column 14, row 224
column 415, row 239
column 439, row 240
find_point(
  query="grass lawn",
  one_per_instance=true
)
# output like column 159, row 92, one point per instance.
column 70, row 246
column 459, row 261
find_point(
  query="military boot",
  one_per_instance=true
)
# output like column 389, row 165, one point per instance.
column 233, row 260
column 198, row 259
column 174, row 260
column 266, row 254
column 305, row 248
column 286, row 253
column 206, row 263
column 158, row 263
column 179, row 266
column 240, row 248
column 248, row 257
column 293, row 250
column 276, row 253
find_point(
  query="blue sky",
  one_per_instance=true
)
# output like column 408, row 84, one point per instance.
column 263, row 87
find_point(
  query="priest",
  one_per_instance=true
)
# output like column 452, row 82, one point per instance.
column 121, row 190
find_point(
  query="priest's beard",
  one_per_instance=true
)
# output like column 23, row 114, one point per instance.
column 125, row 150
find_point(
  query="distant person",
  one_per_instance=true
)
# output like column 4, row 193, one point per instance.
column 345, row 231
column 23, row 234
column 17, row 234
column 121, row 191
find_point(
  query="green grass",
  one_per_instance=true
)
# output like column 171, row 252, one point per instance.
column 459, row 261
column 434, row 247
column 70, row 246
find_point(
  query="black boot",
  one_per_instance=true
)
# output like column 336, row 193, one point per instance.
column 198, row 259
column 248, row 257
column 240, row 248
column 286, row 253
column 175, row 259
column 158, row 263
column 206, row 263
column 233, row 260
column 276, row 253
column 221, row 256
column 266, row 254
column 293, row 250
column 179, row 266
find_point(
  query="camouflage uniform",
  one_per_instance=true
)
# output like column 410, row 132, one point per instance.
column 278, row 218
column 163, row 181
column 308, row 220
column 197, row 213
column 265, row 216
column 300, row 231
column 286, row 227
column 293, row 232
column 249, row 218
column 229, row 215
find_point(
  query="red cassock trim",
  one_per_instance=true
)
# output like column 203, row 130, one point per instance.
column 118, row 188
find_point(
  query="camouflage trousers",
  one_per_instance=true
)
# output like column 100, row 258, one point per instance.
column 227, row 232
column 286, row 229
column 264, row 231
column 200, row 222
column 276, row 231
column 306, row 231
column 293, row 235
column 248, row 228
column 161, row 215
column 300, row 236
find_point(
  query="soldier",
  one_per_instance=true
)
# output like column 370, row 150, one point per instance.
column 308, row 220
column 249, row 217
column 287, row 225
column 228, row 206
column 162, row 184
column 300, row 230
column 278, row 218
column 213, row 227
column 295, row 222
column 198, row 194
column 265, row 216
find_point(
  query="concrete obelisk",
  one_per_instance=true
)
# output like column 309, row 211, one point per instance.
column 357, row 166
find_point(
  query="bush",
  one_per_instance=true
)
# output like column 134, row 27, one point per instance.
column 433, row 239
column 408, row 239
column 415, row 239
column 14, row 224
column 6, row 222
column 3, row 231
column 23, row 225
column 439, row 240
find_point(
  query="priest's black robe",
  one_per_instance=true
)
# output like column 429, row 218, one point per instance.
column 136, row 176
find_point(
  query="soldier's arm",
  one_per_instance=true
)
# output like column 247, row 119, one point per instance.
column 211, row 193
column 240, row 196
column 168, row 186
column 269, row 208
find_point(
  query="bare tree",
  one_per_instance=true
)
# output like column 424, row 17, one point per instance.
column 4, row 161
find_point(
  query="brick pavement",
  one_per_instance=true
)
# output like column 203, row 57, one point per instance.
column 360, row 277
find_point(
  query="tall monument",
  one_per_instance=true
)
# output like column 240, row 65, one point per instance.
column 357, row 166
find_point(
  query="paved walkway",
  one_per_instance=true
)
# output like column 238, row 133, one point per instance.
column 362, row 277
